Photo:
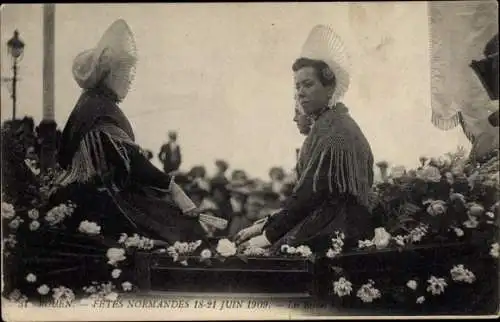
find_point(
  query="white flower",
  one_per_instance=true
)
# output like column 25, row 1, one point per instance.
column 43, row 289
column 472, row 222
column 495, row 250
column 137, row 241
column 59, row 213
column 115, row 255
column 342, row 287
column 475, row 209
column 89, row 228
column 291, row 250
column 412, row 284
column 184, row 263
column 113, row 296
column 365, row 243
column 436, row 207
column 116, row 273
column 339, row 234
column 90, row 289
column 127, row 286
column 303, row 250
column 123, row 238
column 417, row 234
column 31, row 278
column 400, row 240
column 34, row 225
column 331, row 253
column 33, row 214
column 458, row 231
column 457, row 196
column 205, row 254
column 430, row 173
column 367, row 293
column 226, row 248
column 10, row 241
column 62, row 293
column 460, row 274
column 15, row 223
column 31, row 164
column 382, row 238
column 449, row 177
column 436, row 285
column 420, row 300
column 490, row 214
column 8, row 211
column 173, row 253
column 15, row 295
column 284, row 248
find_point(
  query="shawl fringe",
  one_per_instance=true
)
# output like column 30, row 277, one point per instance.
column 336, row 139
column 90, row 159
column 443, row 123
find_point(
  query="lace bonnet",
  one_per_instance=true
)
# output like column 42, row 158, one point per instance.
column 325, row 45
column 112, row 61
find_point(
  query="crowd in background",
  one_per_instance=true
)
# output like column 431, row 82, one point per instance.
column 229, row 194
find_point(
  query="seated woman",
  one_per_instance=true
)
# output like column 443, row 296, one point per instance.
column 106, row 173
column 335, row 165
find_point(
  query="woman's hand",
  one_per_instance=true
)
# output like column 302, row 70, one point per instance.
column 259, row 241
column 194, row 212
column 249, row 232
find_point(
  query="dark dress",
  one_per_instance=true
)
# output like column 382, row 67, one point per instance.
column 104, row 164
column 171, row 158
column 335, row 169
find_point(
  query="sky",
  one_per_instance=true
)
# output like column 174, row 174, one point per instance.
column 220, row 75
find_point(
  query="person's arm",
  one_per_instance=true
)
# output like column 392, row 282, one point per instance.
column 143, row 171
column 180, row 156
column 161, row 155
column 301, row 203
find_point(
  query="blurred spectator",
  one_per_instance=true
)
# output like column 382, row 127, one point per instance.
column 238, row 190
column 221, row 196
column 222, row 167
column 197, row 172
column 260, row 202
column 239, row 175
column 197, row 190
column 277, row 175
column 170, row 154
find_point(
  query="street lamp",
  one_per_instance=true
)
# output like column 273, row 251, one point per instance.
column 16, row 50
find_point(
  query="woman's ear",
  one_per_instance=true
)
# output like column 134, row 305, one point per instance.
column 330, row 91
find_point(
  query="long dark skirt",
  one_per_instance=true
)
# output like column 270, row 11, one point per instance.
column 318, row 228
column 135, row 210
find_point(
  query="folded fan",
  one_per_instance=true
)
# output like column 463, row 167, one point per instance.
column 214, row 221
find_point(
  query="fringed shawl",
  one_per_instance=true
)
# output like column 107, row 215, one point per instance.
column 335, row 138
column 95, row 122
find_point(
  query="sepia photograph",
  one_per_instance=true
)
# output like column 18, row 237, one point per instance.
column 248, row 161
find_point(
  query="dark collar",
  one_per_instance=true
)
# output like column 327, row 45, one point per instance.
column 317, row 115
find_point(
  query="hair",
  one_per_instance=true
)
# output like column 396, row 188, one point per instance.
column 222, row 165
column 323, row 71
column 278, row 171
column 103, row 89
column 238, row 172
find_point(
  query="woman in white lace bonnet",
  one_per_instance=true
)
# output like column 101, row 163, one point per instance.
column 100, row 157
column 335, row 164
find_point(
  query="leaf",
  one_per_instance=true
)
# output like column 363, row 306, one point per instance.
column 243, row 258
column 337, row 269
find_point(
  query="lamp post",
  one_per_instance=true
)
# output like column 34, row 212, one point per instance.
column 16, row 50
column 47, row 130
